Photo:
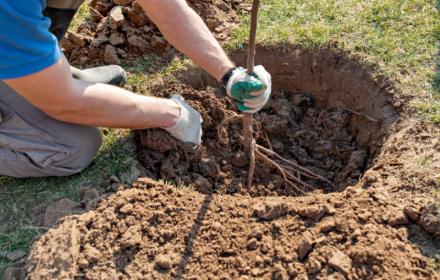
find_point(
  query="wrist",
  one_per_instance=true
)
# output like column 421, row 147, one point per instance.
column 227, row 76
column 172, row 113
column 223, row 70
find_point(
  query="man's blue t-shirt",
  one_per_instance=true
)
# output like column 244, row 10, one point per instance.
column 26, row 45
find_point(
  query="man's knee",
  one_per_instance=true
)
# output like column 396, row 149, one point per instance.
column 59, row 160
column 85, row 146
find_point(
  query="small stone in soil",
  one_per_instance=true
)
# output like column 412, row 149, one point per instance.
column 412, row 213
column 116, row 18
column 257, row 233
column 313, row 266
column 91, row 194
column 270, row 209
column 341, row 262
column 397, row 218
column 209, row 167
column 59, row 209
column 158, row 43
column 138, row 19
column 326, row 225
column 217, row 226
column 305, row 245
column 83, row 263
column 240, row 159
column 116, row 39
column 163, row 262
column 110, row 55
column 203, row 185
column 92, row 254
column 252, row 244
column 137, row 42
column 126, row 209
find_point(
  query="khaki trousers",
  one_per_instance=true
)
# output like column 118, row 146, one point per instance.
column 33, row 144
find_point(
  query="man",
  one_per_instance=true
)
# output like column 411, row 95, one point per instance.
column 50, row 112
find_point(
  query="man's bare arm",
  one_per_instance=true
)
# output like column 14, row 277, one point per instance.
column 186, row 31
column 55, row 92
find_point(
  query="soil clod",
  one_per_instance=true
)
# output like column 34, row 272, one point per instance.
column 341, row 262
column 124, row 24
column 60, row 209
column 270, row 209
column 383, row 227
column 313, row 149
column 167, row 223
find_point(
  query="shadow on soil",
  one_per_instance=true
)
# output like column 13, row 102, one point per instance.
column 192, row 236
column 429, row 246
column 436, row 81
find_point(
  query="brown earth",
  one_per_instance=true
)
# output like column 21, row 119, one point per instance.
column 290, row 124
column 154, row 231
column 386, row 225
column 120, row 31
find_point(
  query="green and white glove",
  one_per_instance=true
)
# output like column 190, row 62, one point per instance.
column 250, row 91
column 188, row 128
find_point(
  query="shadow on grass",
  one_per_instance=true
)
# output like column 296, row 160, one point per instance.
column 23, row 201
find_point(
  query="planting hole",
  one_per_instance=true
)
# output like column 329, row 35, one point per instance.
column 326, row 114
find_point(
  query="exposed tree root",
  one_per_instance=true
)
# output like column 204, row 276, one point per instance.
column 285, row 174
column 292, row 173
column 249, row 145
column 294, row 166
column 251, row 163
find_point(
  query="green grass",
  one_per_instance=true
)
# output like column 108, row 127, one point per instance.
column 23, row 200
column 80, row 16
column 400, row 38
column 151, row 68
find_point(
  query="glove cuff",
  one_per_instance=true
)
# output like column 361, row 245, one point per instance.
column 227, row 76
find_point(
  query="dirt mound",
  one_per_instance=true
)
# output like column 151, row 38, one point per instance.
column 153, row 231
column 291, row 124
column 120, row 30
column 385, row 225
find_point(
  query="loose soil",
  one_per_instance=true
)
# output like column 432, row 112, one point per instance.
column 154, row 231
column 120, row 30
column 290, row 124
column 379, row 220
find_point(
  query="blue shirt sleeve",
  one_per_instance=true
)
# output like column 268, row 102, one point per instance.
column 26, row 45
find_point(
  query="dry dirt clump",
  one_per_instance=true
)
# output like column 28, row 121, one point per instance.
column 120, row 30
column 154, row 231
column 378, row 220
column 290, row 125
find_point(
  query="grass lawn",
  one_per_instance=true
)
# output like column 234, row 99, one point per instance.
column 399, row 39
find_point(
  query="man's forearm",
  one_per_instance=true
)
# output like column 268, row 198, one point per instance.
column 186, row 31
column 109, row 106
column 56, row 93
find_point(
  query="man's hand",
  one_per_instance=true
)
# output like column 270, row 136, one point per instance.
column 188, row 128
column 251, row 91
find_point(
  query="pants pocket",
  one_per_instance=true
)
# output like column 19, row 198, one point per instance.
column 18, row 135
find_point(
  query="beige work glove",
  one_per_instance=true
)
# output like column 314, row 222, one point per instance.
column 188, row 128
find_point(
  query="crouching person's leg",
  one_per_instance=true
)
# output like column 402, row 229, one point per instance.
column 34, row 145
